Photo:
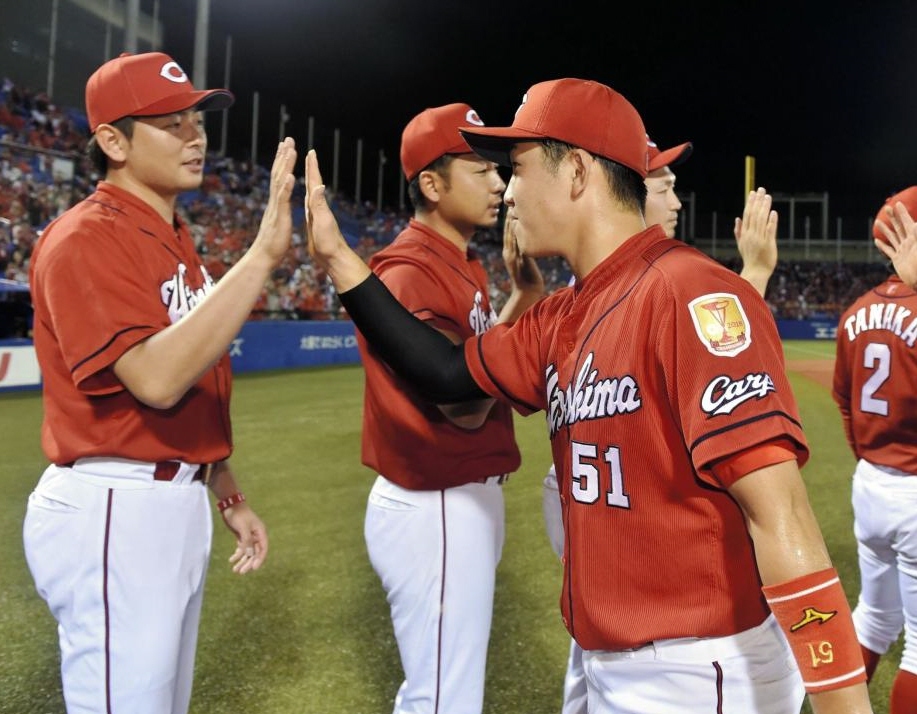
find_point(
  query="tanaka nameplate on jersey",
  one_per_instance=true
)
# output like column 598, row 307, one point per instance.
column 721, row 324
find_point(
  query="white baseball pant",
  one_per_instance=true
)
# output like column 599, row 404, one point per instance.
column 885, row 526
column 121, row 560
column 436, row 553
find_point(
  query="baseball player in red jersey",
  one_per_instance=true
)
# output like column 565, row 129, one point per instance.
column 695, row 575
column 434, row 523
column 131, row 334
column 874, row 375
column 756, row 239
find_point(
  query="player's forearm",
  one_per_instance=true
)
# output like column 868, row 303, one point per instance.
column 223, row 481
column 417, row 352
column 787, row 539
column 160, row 370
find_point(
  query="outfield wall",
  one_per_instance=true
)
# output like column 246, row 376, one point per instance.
column 259, row 346
column 280, row 344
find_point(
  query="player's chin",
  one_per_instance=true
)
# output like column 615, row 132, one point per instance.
column 191, row 180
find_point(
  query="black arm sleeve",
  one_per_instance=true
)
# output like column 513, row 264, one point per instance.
column 417, row 352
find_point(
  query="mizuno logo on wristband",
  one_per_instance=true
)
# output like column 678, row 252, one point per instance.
column 810, row 614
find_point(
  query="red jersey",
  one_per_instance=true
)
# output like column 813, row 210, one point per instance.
column 657, row 364
column 875, row 372
column 406, row 438
column 106, row 275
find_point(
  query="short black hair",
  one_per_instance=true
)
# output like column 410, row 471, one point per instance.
column 440, row 166
column 97, row 157
column 627, row 186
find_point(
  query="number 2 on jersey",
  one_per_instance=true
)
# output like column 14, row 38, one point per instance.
column 587, row 476
column 878, row 357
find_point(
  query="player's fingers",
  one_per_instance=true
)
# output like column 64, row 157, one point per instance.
column 904, row 218
column 759, row 207
column 891, row 236
column 242, row 558
column 313, row 173
column 280, row 159
column 737, row 229
column 885, row 248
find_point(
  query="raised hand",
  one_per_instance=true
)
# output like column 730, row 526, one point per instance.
column 756, row 239
column 326, row 243
column 900, row 244
column 276, row 230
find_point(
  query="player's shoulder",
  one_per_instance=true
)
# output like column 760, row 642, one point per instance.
column 688, row 270
column 405, row 249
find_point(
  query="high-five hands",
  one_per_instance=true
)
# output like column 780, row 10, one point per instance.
column 327, row 246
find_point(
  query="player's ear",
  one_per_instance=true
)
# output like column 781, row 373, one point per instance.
column 582, row 164
column 428, row 181
column 112, row 142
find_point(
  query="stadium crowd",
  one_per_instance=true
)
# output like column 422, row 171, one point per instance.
column 225, row 212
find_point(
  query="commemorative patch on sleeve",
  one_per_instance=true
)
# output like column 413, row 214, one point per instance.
column 720, row 323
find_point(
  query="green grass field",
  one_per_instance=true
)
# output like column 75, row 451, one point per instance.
column 310, row 633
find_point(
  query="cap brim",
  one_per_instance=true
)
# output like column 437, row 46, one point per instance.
column 204, row 100
column 495, row 143
column 671, row 157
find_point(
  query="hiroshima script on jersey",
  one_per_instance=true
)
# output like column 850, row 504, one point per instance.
column 589, row 397
column 480, row 319
column 179, row 297
column 882, row 316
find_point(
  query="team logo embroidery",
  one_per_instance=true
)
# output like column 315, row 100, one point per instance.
column 810, row 615
column 174, row 73
column 471, row 117
column 721, row 324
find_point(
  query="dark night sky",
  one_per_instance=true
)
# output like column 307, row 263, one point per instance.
column 821, row 93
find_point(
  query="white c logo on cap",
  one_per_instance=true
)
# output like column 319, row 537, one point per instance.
column 174, row 73
column 471, row 116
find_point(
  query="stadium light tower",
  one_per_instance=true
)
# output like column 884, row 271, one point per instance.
column 201, row 30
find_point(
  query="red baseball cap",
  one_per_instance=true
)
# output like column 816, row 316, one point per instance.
column 670, row 157
column 148, row 84
column 434, row 133
column 908, row 197
column 580, row 112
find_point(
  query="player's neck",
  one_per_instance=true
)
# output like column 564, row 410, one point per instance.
column 455, row 235
column 162, row 203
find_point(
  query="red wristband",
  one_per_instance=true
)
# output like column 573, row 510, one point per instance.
column 813, row 613
column 229, row 501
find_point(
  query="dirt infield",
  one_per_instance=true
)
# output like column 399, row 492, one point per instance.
column 818, row 370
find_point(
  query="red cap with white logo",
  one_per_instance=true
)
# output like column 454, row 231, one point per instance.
column 434, row 133
column 148, row 84
column 579, row 112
